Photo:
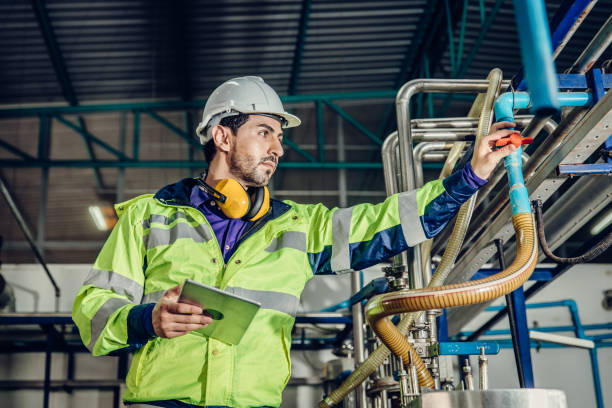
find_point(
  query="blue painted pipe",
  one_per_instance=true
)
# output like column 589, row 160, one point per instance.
column 504, row 106
column 536, row 52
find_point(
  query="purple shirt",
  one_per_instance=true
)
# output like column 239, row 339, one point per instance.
column 227, row 230
column 467, row 173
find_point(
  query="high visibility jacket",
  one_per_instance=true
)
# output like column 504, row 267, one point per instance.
column 159, row 241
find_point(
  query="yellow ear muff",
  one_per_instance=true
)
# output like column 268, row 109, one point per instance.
column 237, row 202
column 263, row 202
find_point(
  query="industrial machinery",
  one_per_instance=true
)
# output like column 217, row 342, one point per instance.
column 406, row 341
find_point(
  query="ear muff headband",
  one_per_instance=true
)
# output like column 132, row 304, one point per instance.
column 260, row 205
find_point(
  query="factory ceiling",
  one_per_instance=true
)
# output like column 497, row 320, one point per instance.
column 125, row 56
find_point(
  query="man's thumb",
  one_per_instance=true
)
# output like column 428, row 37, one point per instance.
column 173, row 293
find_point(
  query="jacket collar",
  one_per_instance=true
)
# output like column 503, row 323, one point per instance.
column 179, row 193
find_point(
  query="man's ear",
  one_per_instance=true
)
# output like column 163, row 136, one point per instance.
column 222, row 138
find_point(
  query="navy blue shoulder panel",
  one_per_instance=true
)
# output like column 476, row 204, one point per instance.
column 383, row 245
column 177, row 193
column 278, row 208
column 458, row 189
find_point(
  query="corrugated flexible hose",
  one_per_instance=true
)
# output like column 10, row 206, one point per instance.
column 459, row 294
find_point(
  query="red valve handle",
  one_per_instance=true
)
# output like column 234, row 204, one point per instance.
column 515, row 138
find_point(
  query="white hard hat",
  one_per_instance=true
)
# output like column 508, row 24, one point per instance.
column 249, row 95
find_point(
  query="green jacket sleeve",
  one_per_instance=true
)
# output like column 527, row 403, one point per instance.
column 366, row 234
column 113, row 287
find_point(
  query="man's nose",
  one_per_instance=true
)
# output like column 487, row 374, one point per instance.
column 277, row 148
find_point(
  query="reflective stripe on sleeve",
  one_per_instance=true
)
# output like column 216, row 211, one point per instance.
column 153, row 297
column 279, row 301
column 101, row 317
column 162, row 219
column 289, row 239
column 341, row 227
column 409, row 218
column 116, row 282
column 161, row 236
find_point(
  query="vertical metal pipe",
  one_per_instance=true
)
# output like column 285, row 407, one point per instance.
column 44, row 148
column 483, row 370
column 47, row 381
column 358, row 338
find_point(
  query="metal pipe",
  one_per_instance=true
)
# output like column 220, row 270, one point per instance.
column 26, row 232
column 405, row 134
column 593, row 51
column 468, row 378
column 558, row 339
column 573, row 18
column 506, row 105
column 483, row 370
column 419, row 152
column 580, row 142
column 358, row 337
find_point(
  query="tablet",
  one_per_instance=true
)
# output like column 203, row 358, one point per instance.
column 231, row 314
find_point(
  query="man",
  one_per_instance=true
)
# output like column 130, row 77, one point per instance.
column 223, row 230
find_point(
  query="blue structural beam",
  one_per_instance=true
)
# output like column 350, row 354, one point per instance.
column 583, row 82
column 579, row 332
column 467, row 348
column 585, row 169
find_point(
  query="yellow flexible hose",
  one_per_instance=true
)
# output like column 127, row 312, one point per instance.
column 459, row 294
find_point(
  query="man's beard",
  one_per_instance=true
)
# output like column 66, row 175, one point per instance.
column 245, row 168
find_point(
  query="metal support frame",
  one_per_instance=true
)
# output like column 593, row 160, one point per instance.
column 62, row 76
column 299, row 47
column 152, row 109
column 26, row 231
column 44, row 148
